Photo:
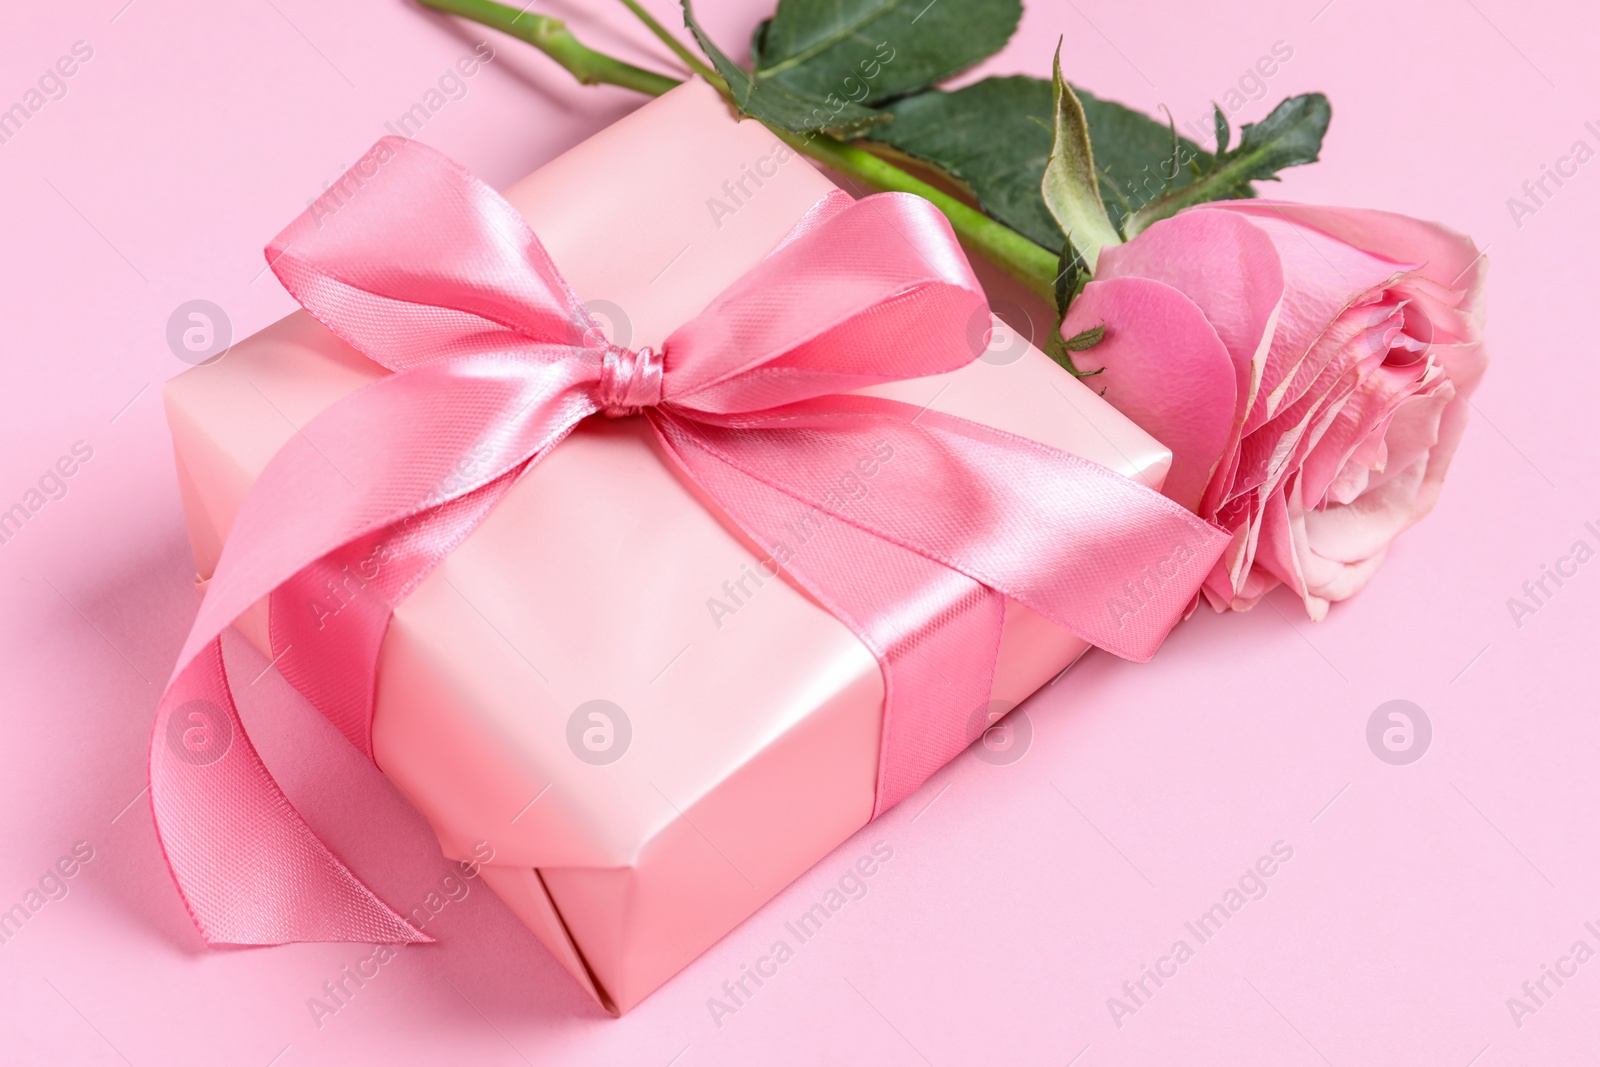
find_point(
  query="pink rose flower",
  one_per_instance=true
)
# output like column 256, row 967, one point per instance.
column 1309, row 367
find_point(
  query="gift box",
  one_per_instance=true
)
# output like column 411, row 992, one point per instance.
column 607, row 698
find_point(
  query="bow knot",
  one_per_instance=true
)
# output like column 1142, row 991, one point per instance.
column 630, row 381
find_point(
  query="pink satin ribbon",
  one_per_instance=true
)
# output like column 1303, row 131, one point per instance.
column 430, row 273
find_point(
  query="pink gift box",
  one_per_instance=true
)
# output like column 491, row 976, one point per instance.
column 601, row 690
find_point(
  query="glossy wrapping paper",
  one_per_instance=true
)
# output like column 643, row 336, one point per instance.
column 741, row 723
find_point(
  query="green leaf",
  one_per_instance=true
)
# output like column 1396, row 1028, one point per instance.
column 758, row 42
column 777, row 104
column 995, row 137
column 1085, row 339
column 869, row 51
column 1224, row 134
column 1071, row 277
column 1070, row 186
column 1288, row 137
column 1063, row 349
column 1139, row 158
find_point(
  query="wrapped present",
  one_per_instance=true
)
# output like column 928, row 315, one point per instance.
column 631, row 688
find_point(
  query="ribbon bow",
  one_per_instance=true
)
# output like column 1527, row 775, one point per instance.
column 430, row 273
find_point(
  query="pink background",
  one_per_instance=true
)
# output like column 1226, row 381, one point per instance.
column 1019, row 897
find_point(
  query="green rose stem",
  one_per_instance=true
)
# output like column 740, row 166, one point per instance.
column 552, row 37
column 1031, row 264
column 679, row 49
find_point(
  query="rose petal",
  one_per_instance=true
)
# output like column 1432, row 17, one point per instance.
column 1362, row 528
column 1322, row 277
column 1408, row 435
column 1162, row 365
column 1371, row 325
column 1275, row 449
column 1331, row 581
column 1227, row 266
column 1452, row 423
column 1276, row 550
column 1442, row 255
column 1349, row 483
column 1372, row 405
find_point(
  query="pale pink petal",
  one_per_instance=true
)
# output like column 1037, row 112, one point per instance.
column 1245, row 515
column 1371, row 406
column 1350, row 482
column 1410, row 433
column 1443, row 255
column 1331, row 581
column 1256, row 585
column 1465, row 363
column 1219, row 584
column 1373, row 324
column 1276, row 449
column 1452, row 423
column 1352, row 532
column 1277, row 551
